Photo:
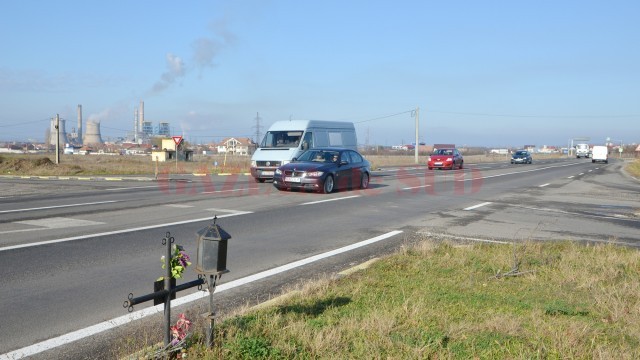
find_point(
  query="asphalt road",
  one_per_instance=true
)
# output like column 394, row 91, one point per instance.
column 72, row 250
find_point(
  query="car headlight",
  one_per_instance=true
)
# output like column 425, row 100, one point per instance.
column 284, row 162
column 449, row 159
column 278, row 172
column 428, row 158
column 253, row 163
column 314, row 174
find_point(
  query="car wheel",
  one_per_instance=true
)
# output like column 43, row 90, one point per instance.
column 364, row 181
column 461, row 165
column 327, row 187
column 430, row 168
column 259, row 180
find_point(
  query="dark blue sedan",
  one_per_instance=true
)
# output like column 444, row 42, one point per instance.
column 324, row 170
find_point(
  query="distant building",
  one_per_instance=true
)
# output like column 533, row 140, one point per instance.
column 235, row 146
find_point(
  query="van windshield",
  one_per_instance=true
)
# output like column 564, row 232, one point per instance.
column 278, row 139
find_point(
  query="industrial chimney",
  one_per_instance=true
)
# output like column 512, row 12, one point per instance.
column 79, row 139
column 140, row 127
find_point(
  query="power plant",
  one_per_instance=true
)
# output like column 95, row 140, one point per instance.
column 90, row 134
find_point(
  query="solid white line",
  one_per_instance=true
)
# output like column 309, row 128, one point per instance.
column 416, row 187
column 221, row 191
column 580, row 174
column 88, row 236
column 133, row 187
column 517, row 172
column 59, row 206
column 122, row 320
column 570, row 177
column 477, row 206
column 543, row 185
column 327, row 200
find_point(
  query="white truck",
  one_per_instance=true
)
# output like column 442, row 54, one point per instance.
column 582, row 150
column 600, row 154
column 286, row 140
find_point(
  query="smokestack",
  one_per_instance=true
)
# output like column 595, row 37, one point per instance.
column 79, row 139
column 141, row 115
column 135, row 125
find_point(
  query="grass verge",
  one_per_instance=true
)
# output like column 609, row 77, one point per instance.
column 634, row 169
column 437, row 300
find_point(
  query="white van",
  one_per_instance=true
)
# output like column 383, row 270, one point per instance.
column 286, row 140
column 582, row 150
column 600, row 153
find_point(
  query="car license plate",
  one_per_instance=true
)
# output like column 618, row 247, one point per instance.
column 267, row 173
column 439, row 163
column 292, row 179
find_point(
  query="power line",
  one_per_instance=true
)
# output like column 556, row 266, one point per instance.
column 534, row 116
column 384, row 117
column 25, row 123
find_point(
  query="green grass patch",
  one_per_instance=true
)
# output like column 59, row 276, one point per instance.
column 437, row 300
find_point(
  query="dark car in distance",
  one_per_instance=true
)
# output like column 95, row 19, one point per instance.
column 324, row 170
column 445, row 159
column 521, row 157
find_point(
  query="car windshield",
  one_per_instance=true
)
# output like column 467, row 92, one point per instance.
column 323, row 156
column 443, row 152
column 521, row 153
column 287, row 139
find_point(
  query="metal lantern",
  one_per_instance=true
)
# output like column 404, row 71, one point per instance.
column 211, row 256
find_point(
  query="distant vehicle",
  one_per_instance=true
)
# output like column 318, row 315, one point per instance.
column 286, row 140
column 445, row 158
column 582, row 150
column 324, row 170
column 600, row 154
column 521, row 157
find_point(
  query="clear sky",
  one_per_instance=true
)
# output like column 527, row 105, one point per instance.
column 482, row 73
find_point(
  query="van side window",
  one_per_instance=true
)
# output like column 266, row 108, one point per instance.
column 307, row 141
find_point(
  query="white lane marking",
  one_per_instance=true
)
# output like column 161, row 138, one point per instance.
column 464, row 238
column 517, row 172
column 133, row 187
column 232, row 190
column 477, row 206
column 179, row 206
column 123, row 320
column 570, row 177
column 415, row 187
column 543, row 185
column 59, row 222
column 225, row 210
column 580, row 174
column 123, row 231
column 59, row 206
column 327, row 200
column 590, row 170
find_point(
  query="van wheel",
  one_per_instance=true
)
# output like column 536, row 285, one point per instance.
column 327, row 187
column 364, row 181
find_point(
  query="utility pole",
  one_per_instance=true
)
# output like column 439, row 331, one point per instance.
column 57, row 139
column 417, row 111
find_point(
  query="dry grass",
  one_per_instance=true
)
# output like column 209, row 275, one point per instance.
column 77, row 165
column 437, row 300
column 634, row 169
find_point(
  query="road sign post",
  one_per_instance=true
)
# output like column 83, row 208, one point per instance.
column 177, row 140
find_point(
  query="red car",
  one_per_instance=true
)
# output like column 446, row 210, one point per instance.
column 445, row 159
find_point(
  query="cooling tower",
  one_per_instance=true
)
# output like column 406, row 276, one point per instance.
column 79, row 138
column 92, row 133
column 63, row 133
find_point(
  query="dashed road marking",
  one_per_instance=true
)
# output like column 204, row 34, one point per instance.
column 477, row 206
column 543, row 185
column 327, row 200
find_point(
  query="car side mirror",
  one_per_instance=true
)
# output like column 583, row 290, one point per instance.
column 294, row 159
